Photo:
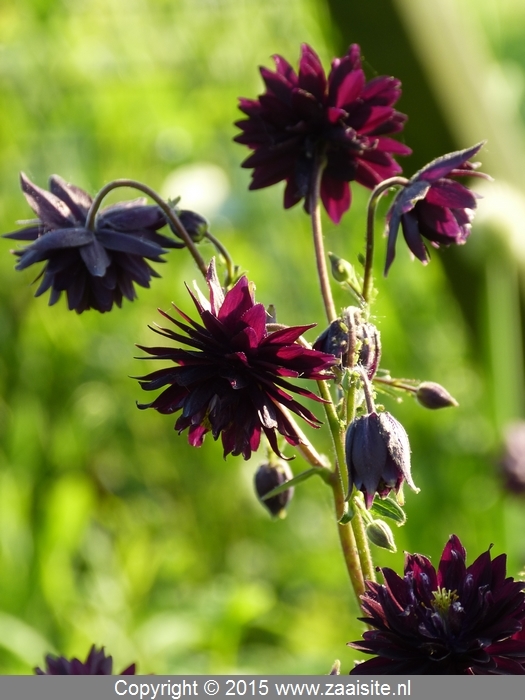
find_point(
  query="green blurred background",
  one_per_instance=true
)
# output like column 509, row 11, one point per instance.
column 112, row 530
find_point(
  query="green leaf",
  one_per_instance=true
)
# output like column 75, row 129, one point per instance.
column 303, row 476
column 388, row 508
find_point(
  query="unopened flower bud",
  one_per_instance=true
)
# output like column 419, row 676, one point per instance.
column 195, row 224
column 377, row 456
column 333, row 340
column 343, row 271
column 381, row 535
column 432, row 395
column 268, row 477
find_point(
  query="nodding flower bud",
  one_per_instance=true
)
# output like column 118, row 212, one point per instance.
column 269, row 477
column 433, row 396
column 195, row 224
column 347, row 333
column 342, row 270
column 334, row 340
column 377, row 456
column 381, row 535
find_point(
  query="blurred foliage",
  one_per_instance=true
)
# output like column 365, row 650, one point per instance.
column 112, row 529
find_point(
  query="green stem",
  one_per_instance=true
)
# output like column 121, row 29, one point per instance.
column 350, row 544
column 368, row 281
column 320, row 256
column 168, row 211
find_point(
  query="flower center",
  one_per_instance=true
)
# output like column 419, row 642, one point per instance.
column 443, row 599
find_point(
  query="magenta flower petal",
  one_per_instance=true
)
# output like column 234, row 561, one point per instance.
column 458, row 620
column 231, row 382
column 306, row 114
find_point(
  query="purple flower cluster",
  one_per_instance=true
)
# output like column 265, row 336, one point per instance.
column 433, row 206
column 95, row 268
column 305, row 118
column 96, row 664
column 233, row 379
column 456, row 620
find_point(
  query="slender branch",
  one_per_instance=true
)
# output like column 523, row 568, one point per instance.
column 320, row 256
column 168, row 211
column 378, row 191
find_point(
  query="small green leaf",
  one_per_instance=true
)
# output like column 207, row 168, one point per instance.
column 388, row 508
column 303, row 476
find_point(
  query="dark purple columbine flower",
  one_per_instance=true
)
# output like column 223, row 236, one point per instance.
column 457, row 620
column 434, row 206
column 233, row 378
column 377, row 456
column 96, row 268
column 96, row 664
column 303, row 117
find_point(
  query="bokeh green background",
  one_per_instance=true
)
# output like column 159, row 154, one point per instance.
column 112, row 530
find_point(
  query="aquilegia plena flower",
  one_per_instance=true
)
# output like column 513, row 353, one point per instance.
column 96, row 664
column 457, row 620
column 433, row 206
column 304, row 117
column 233, row 378
column 95, row 268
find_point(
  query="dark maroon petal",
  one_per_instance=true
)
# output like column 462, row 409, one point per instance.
column 442, row 166
column 412, row 235
column 335, row 195
column 311, row 74
column 51, row 210
column 76, row 199
column 448, row 193
column 349, row 88
column 236, row 302
column 285, row 69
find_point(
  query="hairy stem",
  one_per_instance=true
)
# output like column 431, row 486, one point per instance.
column 168, row 211
column 320, row 256
column 368, row 281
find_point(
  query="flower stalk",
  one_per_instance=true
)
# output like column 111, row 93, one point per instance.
column 168, row 211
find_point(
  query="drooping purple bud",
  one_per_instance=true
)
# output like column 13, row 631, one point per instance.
column 195, row 224
column 433, row 396
column 268, row 477
column 377, row 456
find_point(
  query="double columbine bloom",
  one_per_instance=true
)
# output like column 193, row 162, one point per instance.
column 306, row 118
column 433, row 206
column 233, row 379
column 457, row 620
column 96, row 664
column 95, row 268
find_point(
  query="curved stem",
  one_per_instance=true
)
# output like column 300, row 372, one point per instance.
column 320, row 256
column 230, row 268
column 370, row 218
column 168, row 211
